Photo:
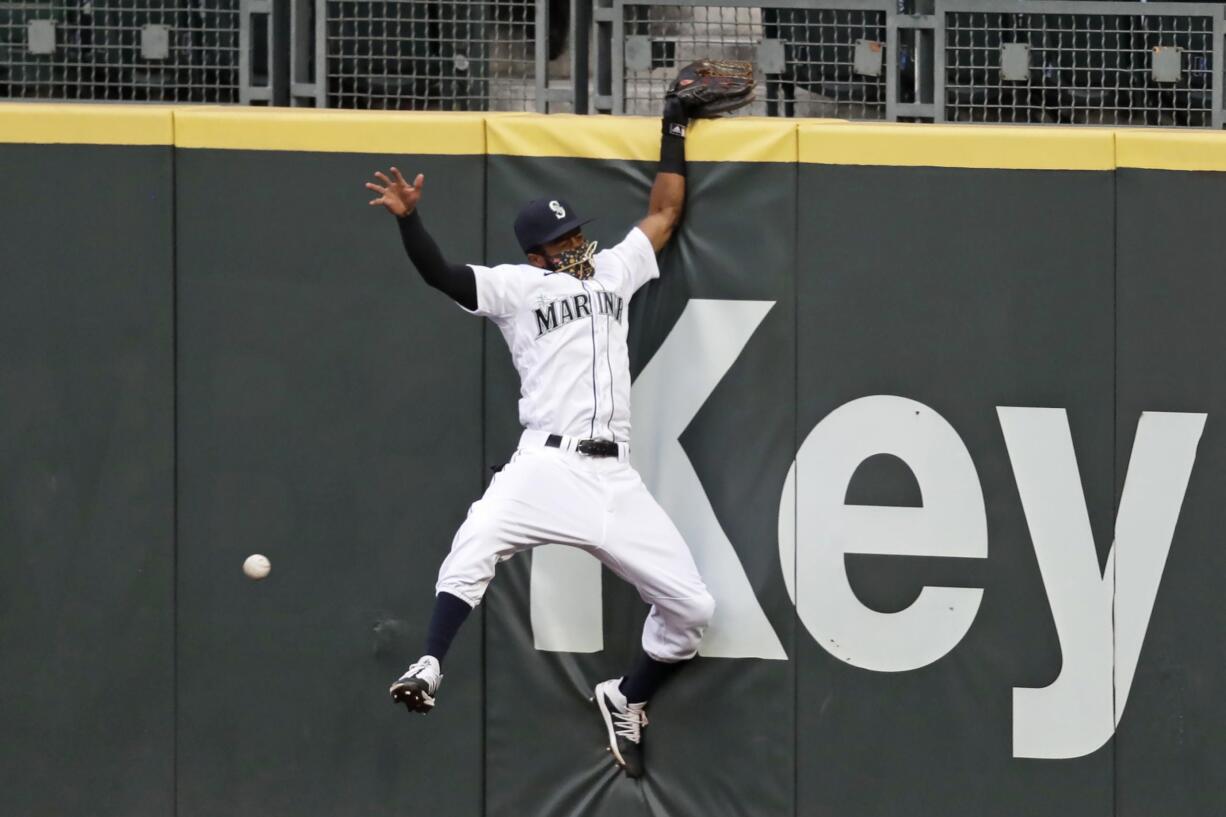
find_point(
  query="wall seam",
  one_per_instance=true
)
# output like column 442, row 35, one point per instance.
column 485, row 165
column 795, row 447
column 1115, row 430
column 174, row 458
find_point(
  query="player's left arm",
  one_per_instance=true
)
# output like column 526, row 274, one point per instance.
column 668, row 191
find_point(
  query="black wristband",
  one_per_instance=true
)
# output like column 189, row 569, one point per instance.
column 672, row 154
column 672, row 142
column 675, row 118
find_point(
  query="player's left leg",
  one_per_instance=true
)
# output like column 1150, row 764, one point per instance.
column 643, row 547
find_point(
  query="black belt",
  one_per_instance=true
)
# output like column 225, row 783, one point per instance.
column 592, row 448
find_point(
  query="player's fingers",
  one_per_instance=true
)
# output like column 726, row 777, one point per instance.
column 375, row 202
column 399, row 178
column 383, row 178
column 419, row 181
column 376, row 188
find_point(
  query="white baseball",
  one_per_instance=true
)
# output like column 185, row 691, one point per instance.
column 257, row 566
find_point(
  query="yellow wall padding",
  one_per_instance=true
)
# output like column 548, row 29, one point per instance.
column 1171, row 149
column 392, row 133
column 635, row 138
column 969, row 146
column 737, row 139
column 743, row 139
column 591, row 137
column 43, row 124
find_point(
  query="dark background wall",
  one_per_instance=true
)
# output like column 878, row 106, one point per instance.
column 209, row 353
column 330, row 418
column 1169, row 260
column 986, row 311
column 86, row 480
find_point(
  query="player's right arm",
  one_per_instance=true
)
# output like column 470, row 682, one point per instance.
column 400, row 199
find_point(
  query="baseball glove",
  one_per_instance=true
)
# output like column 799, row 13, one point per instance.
column 711, row 88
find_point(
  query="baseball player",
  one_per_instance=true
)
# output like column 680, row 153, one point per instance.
column 564, row 313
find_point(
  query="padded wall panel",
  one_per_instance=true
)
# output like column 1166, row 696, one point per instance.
column 330, row 417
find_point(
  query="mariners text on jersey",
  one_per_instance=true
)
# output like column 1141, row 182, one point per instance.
column 551, row 315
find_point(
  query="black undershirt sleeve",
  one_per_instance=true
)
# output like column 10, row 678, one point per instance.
column 457, row 280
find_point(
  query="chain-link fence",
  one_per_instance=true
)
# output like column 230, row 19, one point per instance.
column 830, row 60
column 423, row 54
column 120, row 50
column 1081, row 63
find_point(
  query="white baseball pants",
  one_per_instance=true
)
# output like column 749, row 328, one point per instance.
column 600, row 505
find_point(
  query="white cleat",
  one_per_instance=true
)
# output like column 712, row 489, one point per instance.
column 624, row 724
column 418, row 686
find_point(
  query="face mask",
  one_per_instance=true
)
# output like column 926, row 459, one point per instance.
column 576, row 262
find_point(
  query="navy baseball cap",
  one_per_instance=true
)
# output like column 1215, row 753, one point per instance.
column 543, row 220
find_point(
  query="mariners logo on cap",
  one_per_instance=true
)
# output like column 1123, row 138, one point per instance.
column 543, row 220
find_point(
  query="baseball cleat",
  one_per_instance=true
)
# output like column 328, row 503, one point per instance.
column 624, row 724
column 418, row 686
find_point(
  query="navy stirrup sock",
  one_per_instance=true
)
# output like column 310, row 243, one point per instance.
column 449, row 613
column 646, row 677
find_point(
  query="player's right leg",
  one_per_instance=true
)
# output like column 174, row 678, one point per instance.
column 418, row 685
column 485, row 538
column 535, row 499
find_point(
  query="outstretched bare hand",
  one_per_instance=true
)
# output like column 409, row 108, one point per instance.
column 395, row 194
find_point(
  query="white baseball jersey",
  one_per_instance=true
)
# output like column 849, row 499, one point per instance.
column 568, row 338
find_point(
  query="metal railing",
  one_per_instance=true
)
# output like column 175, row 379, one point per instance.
column 1023, row 61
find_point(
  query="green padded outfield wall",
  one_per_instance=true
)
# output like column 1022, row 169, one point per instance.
column 910, row 337
column 330, row 418
column 936, row 408
column 712, row 359
column 86, row 463
column 1170, row 259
